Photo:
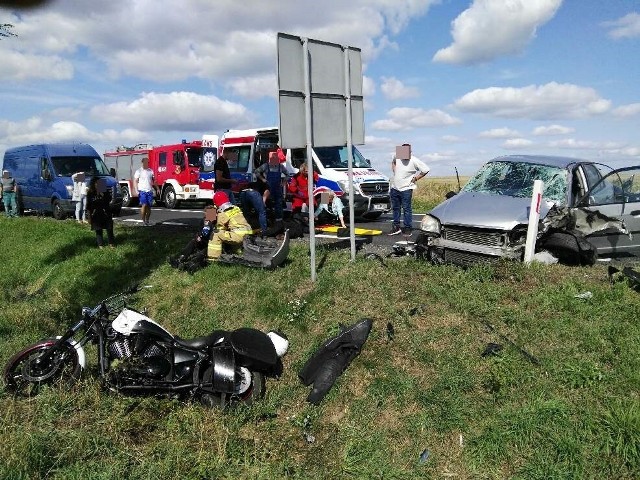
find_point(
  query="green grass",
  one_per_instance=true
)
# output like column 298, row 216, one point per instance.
column 576, row 415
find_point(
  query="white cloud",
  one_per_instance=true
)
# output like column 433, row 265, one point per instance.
column 176, row 111
column 544, row 102
column 499, row 133
column 625, row 27
column 452, row 139
column 255, row 87
column 627, row 110
column 368, row 86
column 394, row 89
column 164, row 40
column 548, row 130
column 22, row 66
column 35, row 130
column 572, row 143
column 491, row 28
column 405, row 118
column 517, row 143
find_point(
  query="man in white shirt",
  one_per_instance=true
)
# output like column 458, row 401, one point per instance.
column 146, row 186
column 406, row 173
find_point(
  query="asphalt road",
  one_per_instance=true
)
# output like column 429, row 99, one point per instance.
column 189, row 217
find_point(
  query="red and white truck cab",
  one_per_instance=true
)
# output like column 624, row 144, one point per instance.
column 176, row 169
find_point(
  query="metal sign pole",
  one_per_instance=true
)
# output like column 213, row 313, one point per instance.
column 347, row 90
column 307, row 118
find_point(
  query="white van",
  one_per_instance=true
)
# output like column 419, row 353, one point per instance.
column 246, row 150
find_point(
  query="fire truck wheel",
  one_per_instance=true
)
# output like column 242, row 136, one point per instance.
column 126, row 197
column 169, row 197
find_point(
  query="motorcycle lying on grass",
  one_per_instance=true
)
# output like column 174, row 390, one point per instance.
column 137, row 356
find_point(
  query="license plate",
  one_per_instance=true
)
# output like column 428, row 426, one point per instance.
column 380, row 206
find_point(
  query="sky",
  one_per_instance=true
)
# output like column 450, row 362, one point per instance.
column 461, row 81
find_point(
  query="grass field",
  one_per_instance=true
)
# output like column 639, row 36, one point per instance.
column 425, row 404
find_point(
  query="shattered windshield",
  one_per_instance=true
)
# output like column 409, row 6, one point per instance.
column 515, row 179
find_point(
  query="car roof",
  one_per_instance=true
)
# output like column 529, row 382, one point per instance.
column 552, row 161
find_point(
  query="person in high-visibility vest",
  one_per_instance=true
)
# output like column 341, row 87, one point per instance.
column 231, row 226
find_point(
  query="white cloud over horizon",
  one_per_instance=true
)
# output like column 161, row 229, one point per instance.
column 491, row 28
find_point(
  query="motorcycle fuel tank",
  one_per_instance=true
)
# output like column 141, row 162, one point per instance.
column 129, row 321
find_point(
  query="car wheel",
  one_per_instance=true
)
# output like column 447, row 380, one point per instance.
column 569, row 250
column 169, row 197
column 58, row 211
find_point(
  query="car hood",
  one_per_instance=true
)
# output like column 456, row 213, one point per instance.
column 483, row 210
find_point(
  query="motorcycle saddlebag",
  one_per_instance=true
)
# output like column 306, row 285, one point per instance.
column 254, row 349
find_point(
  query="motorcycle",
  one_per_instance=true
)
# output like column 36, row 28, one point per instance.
column 138, row 356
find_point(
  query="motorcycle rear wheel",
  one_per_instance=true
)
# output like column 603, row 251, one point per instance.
column 246, row 392
column 31, row 368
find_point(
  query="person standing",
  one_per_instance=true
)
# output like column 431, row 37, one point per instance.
column 274, row 174
column 406, row 171
column 223, row 182
column 8, row 189
column 79, row 196
column 146, row 186
column 99, row 210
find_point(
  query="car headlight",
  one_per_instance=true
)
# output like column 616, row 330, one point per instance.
column 344, row 185
column 69, row 190
column 430, row 224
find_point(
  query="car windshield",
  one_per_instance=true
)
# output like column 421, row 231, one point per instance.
column 515, row 179
column 336, row 157
column 67, row 166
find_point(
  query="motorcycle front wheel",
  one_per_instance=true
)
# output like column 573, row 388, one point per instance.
column 36, row 366
column 250, row 387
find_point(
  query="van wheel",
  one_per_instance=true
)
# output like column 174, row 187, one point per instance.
column 126, row 197
column 58, row 211
column 169, row 197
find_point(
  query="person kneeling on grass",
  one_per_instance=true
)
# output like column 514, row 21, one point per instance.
column 231, row 226
column 330, row 208
column 194, row 255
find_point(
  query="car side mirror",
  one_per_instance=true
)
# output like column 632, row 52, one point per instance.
column 450, row 194
column 46, row 174
column 112, row 172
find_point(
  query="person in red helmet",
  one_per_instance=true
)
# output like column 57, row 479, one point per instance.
column 231, row 226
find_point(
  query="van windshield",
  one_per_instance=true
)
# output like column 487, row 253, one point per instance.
column 336, row 157
column 67, row 166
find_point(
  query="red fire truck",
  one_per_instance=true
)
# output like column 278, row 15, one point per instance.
column 176, row 168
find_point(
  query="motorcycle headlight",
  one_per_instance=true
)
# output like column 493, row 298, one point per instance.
column 430, row 224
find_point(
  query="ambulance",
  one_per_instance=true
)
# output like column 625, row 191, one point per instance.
column 246, row 150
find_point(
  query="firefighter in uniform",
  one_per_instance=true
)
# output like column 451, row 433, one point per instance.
column 231, row 226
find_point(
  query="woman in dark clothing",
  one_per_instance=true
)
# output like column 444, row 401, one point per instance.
column 99, row 210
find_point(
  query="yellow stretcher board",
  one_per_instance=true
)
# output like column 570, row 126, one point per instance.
column 345, row 231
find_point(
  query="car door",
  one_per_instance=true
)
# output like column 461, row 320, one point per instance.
column 615, row 194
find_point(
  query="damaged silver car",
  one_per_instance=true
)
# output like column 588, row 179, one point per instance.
column 588, row 211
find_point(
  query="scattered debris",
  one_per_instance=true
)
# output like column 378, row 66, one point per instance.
column 526, row 354
column 390, row 331
column 632, row 276
column 424, row 456
column 492, row 349
column 375, row 256
column 545, row 258
column 584, row 295
column 332, row 358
